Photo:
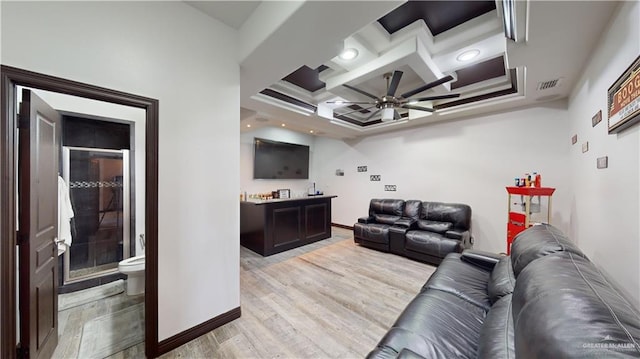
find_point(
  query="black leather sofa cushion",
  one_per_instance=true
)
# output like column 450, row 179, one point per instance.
column 539, row 241
column 431, row 243
column 373, row 232
column 412, row 209
column 462, row 279
column 496, row 335
column 434, row 226
column 386, row 206
column 386, row 218
column 502, row 280
column 435, row 324
column 564, row 307
column 457, row 214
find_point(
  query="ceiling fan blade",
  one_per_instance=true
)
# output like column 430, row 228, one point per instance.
column 439, row 97
column 352, row 102
column 361, row 92
column 395, row 81
column 419, row 108
column 358, row 110
column 428, row 86
column 372, row 114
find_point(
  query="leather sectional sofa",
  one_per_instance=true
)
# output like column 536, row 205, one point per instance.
column 425, row 231
column 546, row 300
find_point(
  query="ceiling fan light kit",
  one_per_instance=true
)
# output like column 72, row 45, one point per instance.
column 389, row 103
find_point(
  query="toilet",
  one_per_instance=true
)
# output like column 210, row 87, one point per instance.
column 133, row 268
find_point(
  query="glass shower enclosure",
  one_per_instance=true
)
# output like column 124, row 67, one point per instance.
column 99, row 189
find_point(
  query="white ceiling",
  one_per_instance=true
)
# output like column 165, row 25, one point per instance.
column 232, row 13
column 277, row 37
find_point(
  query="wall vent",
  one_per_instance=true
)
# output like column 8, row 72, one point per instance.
column 545, row 85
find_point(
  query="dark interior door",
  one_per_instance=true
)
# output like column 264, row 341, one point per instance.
column 39, row 134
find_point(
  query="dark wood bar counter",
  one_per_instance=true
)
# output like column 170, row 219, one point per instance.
column 273, row 226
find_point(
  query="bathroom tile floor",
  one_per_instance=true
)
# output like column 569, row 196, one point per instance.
column 71, row 325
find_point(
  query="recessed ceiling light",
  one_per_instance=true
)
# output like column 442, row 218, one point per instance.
column 310, row 131
column 349, row 54
column 468, row 55
column 283, row 125
column 248, row 125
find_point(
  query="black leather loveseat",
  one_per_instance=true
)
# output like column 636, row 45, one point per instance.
column 546, row 300
column 426, row 231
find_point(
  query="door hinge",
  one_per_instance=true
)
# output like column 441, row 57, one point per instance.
column 21, row 238
column 22, row 353
column 23, row 121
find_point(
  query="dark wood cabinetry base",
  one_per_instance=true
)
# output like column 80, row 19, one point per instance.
column 269, row 227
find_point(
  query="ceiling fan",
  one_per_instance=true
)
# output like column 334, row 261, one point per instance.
column 389, row 103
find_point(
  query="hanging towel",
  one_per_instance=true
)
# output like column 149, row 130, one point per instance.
column 65, row 213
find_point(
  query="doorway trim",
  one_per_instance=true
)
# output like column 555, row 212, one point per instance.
column 10, row 78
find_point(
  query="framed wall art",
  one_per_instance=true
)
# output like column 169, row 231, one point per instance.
column 284, row 193
column 623, row 99
column 596, row 119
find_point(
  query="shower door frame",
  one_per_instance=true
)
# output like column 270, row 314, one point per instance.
column 126, row 210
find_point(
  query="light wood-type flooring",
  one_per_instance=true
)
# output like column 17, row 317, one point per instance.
column 329, row 299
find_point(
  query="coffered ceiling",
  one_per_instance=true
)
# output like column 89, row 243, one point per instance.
column 292, row 74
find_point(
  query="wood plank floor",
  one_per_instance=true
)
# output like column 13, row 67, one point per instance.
column 330, row 299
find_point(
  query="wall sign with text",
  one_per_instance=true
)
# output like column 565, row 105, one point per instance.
column 624, row 99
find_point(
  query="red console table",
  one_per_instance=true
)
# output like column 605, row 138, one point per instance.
column 518, row 221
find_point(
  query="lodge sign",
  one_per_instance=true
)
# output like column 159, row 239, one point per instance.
column 624, row 99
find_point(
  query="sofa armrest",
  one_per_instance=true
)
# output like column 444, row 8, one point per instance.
column 369, row 219
column 457, row 234
column 465, row 238
column 482, row 259
column 405, row 222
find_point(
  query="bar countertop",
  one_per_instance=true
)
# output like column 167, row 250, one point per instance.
column 278, row 200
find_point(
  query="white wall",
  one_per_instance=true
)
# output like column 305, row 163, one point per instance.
column 469, row 161
column 298, row 187
column 604, row 203
column 171, row 52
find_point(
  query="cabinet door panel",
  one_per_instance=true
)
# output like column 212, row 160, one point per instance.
column 317, row 223
column 286, row 226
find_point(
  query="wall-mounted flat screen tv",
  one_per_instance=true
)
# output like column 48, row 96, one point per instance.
column 280, row 160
